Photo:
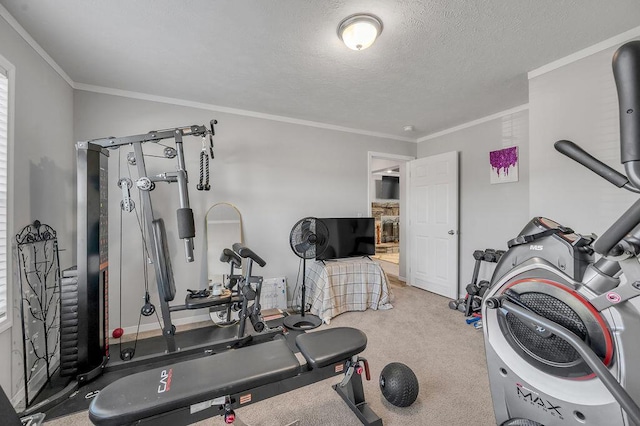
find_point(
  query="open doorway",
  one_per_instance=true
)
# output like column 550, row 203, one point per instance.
column 387, row 200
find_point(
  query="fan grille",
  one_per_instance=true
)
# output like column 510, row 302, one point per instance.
column 309, row 237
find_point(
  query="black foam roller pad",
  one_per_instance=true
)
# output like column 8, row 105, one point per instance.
column 229, row 256
column 186, row 224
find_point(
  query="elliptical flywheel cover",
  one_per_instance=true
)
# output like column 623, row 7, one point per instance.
column 568, row 308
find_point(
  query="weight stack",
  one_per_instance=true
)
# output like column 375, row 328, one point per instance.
column 92, row 260
column 69, row 322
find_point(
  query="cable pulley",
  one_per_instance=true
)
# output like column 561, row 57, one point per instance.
column 126, row 204
column 145, row 184
column 148, row 308
column 170, row 152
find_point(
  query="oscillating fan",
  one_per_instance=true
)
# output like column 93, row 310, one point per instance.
column 308, row 238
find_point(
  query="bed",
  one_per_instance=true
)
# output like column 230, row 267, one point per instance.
column 354, row 284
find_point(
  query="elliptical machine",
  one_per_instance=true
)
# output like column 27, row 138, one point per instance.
column 562, row 332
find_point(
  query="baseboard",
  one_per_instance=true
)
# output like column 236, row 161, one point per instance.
column 18, row 399
column 155, row 326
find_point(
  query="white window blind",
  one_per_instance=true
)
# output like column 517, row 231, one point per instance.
column 4, row 113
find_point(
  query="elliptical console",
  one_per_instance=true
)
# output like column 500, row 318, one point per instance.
column 561, row 332
column 547, row 239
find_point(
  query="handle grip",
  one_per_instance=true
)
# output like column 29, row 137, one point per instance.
column 229, row 256
column 367, row 372
column 246, row 252
column 579, row 155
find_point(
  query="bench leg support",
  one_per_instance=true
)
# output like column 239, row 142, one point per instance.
column 353, row 395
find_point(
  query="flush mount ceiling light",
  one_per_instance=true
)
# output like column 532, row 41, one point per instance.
column 359, row 31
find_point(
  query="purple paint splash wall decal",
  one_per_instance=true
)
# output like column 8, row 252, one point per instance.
column 502, row 159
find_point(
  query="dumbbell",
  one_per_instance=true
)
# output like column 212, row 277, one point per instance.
column 457, row 305
column 478, row 254
column 483, row 286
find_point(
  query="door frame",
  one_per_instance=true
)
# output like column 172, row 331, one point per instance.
column 402, row 272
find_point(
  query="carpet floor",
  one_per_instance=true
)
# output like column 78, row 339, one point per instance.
column 446, row 354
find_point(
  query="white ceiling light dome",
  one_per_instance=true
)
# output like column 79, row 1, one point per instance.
column 359, row 31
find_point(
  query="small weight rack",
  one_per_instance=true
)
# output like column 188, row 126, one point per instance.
column 471, row 304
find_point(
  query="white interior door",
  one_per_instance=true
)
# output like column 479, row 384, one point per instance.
column 433, row 224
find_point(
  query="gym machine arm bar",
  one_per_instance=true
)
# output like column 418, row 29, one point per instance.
column 186, row 222
column 592, row 360
column 152, row 136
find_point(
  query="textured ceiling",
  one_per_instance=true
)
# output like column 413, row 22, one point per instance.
column 437, row 64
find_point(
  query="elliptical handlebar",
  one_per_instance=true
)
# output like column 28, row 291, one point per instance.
column 626, row 72
column 579, row 155
column 619, row 230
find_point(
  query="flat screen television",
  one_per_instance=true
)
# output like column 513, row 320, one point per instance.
column 388, row 188
column 349, row 237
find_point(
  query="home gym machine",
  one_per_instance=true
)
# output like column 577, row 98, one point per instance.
column 562, row 332
column 84, row 322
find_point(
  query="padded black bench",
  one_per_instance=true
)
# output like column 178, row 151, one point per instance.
column 178, row 392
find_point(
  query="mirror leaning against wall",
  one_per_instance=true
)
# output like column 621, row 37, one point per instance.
column 223, row 224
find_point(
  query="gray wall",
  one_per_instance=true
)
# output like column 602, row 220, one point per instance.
column 275, row 173
column 43, row 182
column 490, row 215
column 577, row 102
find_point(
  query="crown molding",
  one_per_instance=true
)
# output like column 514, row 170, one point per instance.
column 34, row 45
column 468, row 124
column 611, row 42
column 581, row 54
column 235, row 111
